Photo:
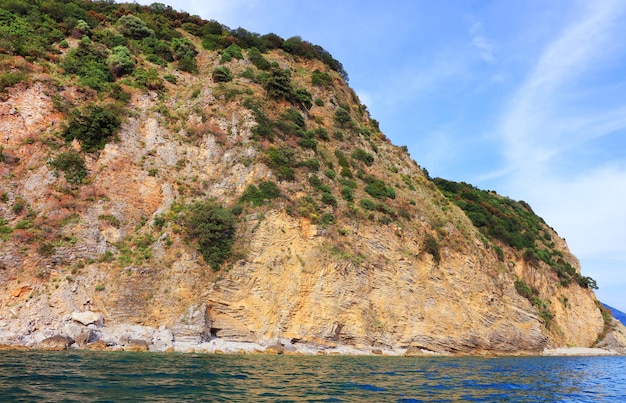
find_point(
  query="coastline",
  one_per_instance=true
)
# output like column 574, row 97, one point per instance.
column 87, row 330
column 284, row 347
column 579, row 352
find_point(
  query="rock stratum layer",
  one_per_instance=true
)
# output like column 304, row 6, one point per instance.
column 107, row 260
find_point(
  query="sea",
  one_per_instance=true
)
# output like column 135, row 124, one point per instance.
column 81, row 376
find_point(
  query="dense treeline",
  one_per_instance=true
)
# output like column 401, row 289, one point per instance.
column 30, row 28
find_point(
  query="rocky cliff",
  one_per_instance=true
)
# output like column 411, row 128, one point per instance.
column 228, row 193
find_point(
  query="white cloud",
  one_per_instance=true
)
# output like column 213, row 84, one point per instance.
column 588, row 210
column 548, row 120
column 483, row 45
column 533, row 125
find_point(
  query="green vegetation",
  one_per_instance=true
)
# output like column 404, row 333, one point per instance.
column 342, row 159
column 185, row 53
column 363, row 156
column 431, row 246
column 514, row 224
column 329, row 199
column 368, row 204
column 321, row 79
column 93, row 125
column 264, row 128
column 133, row 27
column 291, row 123
column 33, row 28
column 347, row 193
column 212, row 228
column 297, row 47
column 378, row 189
column 120, row 62
column 111, row 219
column 308, row 142
column 233, row 51
column 135, row 250
column 532, row 295
column 222, row 75
column 257, row 59
column 89, row 62
column 282, row 160
column 257, row 196
column 312, row 164
column 343, row 119
column 278, row 86
column 148, row 79
column 9, row 79
column 72, row 164
column 19, row 35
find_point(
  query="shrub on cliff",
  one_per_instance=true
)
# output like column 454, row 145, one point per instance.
column 212, row 228
column 257, row 59
column 93, row 126
column 185, row 53
column 362, row 155
column 282, row 160
column 257, row 196
column 233, row 51
column 120, row 61
column 133, row 27
column 221, row 75
column 431, row 245
column 343, row 119
column 278, row 84
column 88, row 61
column 321, row 79
column 72, row 165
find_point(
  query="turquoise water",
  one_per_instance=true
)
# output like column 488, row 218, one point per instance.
column 152, row 377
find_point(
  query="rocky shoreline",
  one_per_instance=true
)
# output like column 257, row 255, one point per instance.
column 87, row 331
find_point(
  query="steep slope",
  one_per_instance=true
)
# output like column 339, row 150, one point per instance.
column 617, row 314
column 169, row 172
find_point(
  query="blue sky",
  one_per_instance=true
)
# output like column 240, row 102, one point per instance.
column 525, row 97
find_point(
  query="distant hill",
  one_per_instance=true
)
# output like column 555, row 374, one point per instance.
column 619, row 315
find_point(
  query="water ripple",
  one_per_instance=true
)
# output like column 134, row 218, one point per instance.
column 136, row 377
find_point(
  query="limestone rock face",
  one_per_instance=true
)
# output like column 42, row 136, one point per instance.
column 287, row 288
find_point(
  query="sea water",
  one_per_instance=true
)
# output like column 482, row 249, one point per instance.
column 158, row 377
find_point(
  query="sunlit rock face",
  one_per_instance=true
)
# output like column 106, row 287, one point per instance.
column 346, row 241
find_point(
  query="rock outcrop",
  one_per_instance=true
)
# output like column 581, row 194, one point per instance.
column 55, row 343
column 88, row 318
